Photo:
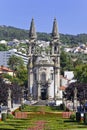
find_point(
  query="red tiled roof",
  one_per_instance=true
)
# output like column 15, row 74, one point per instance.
column 3, row 68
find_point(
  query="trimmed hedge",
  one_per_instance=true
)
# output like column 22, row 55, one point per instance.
column 78, row 116
column 85, row 118
column 3, row 116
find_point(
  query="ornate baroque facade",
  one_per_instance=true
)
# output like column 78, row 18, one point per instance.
column 44, row 66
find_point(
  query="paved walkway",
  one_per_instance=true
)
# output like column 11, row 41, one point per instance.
column 39, row 125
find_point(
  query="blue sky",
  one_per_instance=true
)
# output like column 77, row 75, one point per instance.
column 70, row 14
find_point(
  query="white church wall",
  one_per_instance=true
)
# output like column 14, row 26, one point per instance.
column 51, row 92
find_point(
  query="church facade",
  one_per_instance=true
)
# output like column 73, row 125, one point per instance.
column 44, row 66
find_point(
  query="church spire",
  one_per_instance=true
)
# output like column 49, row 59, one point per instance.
column 32, row 32
column 55, row 33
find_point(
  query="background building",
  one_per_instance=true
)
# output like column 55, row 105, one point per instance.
column 5, row 55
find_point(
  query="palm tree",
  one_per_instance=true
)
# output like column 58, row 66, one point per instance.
column 15, row 63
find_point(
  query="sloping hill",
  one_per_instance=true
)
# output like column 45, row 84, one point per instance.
column 9, row 33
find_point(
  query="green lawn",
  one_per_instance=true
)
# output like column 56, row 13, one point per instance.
column 40, row 108
column 52, row 121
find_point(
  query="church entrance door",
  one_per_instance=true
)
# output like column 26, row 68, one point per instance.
column 43, row 86
column 43, row 93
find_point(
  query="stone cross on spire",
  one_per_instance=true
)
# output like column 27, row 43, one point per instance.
column 55, row 33
column 32, row 32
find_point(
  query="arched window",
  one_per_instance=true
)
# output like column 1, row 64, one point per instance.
column 43, row 77
column 55, row 49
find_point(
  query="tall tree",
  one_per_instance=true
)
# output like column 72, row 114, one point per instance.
column 16, row 91
column 3, row 92
column 81, row 91
column 22, row 75
column 66, row 62
column 15, row 62
column 81, row 73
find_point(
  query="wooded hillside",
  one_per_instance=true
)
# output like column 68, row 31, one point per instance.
column 9, row 33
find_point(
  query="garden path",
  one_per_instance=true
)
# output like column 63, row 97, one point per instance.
column 39, row 125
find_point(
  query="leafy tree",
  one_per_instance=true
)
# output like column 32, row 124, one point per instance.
column 66, row 62
column 17, row 65
column 76, row 59
column 43, row 36
column 15, row 62
column 13, row 80
column 16, row 91
column 22, row 75
column 3, row 92
column 3, row 47
column 81, row 91
column 9, row 33
column 81, row 73
column 7, row 76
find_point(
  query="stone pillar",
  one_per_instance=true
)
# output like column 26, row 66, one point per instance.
column 30, row 77
column 28, row 83
column 75, row 100
column 58, row 94
column 39, row 85
column 48, row 89
column 55, row 79
column 56, row 83
column 29, row 49
column 52, row 49
column 39, row 90
column 22, row 97
column 9, row 99
column 58, row 69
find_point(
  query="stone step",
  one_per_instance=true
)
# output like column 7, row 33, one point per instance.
column 41, row 103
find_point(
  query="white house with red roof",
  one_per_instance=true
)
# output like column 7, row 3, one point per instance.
column 6, row 70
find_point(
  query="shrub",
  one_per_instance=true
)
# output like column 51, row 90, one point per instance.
column 72, row 117
column 23, row 106
column 78, row 116
column 62, row 107
column 85, row 118
column 10, row 116
column 13, row 113
column 3, row 116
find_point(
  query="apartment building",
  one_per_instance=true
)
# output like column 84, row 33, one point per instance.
column 5, row 55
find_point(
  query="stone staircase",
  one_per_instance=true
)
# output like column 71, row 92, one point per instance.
column 40, row 103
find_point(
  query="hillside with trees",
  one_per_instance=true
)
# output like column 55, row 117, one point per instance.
column 9, row 33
